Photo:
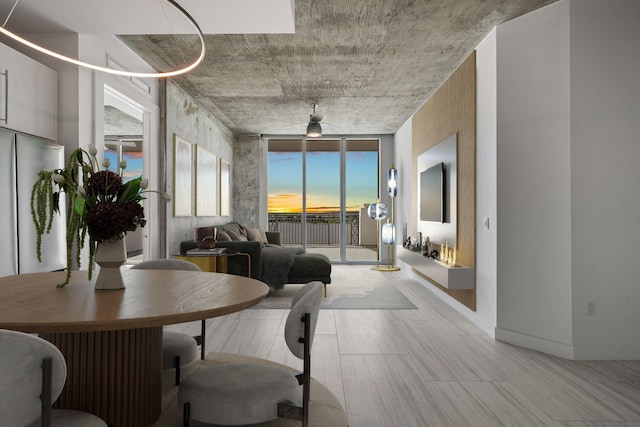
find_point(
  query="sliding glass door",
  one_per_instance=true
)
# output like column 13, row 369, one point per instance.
column 361, row 178
column 319, row 190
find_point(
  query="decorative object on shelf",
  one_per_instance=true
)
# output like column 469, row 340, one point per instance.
column 208, row 242
column 378, row 212
column 389, row 229
column 120, row 72
column 447, row 255
column 98, row 204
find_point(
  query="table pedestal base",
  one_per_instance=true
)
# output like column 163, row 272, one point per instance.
column 116, row 375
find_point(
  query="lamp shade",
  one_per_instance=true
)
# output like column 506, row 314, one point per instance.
column 377, row 211
column 388, row 233
column 392, row 182
column 314, row 130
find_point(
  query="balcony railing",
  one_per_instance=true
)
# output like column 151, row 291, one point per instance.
column 322, row 229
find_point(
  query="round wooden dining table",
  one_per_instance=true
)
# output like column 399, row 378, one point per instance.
column 112, row 339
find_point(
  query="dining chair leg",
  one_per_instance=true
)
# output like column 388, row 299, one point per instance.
column 45, row 397
column 177, row 364
column 202, row 339
column 186, row 414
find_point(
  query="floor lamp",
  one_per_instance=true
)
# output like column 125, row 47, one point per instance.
column 378, row 212
column 389, row 229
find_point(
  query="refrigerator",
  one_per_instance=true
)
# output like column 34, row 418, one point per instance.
column 21, row 158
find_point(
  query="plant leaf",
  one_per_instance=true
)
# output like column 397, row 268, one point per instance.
column 79, row 205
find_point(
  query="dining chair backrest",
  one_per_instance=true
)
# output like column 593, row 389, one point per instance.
column 21, row 358
column 167, row 264
column 306, row 300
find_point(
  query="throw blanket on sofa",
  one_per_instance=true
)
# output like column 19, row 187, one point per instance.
column 276, row 262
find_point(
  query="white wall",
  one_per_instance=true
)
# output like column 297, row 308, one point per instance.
column 558, row 119
column 404, row 164
column 534, row 181
column 568, row 179
column 486, row 180
column 605, row 177
column 80, row 104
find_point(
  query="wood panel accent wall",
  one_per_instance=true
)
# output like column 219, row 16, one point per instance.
column 452, row 109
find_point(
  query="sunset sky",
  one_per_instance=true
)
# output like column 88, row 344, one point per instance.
column 323, row 181
column 134, row 163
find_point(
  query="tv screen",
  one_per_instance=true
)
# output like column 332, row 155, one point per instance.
column 432, row 207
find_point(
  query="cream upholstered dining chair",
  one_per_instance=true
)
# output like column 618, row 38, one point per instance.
column 32, row 374
column 237, row 394
column 178, row 348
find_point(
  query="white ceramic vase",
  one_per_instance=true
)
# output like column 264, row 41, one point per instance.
column 110, row 256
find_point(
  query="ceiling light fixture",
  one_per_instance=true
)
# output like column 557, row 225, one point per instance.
column 314, row 130
column 126, row 73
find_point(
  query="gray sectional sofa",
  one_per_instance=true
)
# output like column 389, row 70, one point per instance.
column 271, row 263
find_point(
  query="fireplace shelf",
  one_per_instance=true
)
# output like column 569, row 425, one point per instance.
column 447, row 276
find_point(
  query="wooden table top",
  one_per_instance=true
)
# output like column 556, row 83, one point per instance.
column 32, row 303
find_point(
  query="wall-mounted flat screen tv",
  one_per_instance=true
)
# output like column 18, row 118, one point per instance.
column 432, row 194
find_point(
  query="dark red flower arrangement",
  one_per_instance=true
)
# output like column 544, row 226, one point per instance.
column 112, row 208
column 98, row 204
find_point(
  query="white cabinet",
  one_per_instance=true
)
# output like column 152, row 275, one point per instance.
column 28, row 94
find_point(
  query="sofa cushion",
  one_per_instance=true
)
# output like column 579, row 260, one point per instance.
column 253, row 235
column 237, row 237
column 234, row 227
column 263, row 235
column 223, row 236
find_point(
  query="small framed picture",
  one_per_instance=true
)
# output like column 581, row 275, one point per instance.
column 182, row 161
column 206, row 182
column 225, row 188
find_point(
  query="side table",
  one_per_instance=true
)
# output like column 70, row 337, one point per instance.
column 214, row 263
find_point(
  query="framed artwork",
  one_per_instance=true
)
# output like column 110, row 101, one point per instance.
column 182, row 155
column 225, row 188
column 206, row 185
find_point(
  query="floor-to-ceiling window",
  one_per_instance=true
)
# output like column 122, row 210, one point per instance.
column 319, row 190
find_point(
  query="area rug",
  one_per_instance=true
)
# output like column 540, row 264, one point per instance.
column 352, row 287
column 324, row 409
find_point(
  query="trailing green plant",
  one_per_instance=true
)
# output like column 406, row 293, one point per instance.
column 98, row 204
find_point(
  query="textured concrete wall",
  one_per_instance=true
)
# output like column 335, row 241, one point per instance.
column 184, row 117
column 247, row 168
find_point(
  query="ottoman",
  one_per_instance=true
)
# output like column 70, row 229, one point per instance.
column 308, row 267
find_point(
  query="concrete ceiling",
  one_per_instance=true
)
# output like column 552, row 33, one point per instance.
column 369, row 64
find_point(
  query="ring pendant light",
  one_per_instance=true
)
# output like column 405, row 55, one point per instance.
column 126, row 73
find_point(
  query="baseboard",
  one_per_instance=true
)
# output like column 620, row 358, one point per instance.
column 566, row 351
column 554, row 348
column 470, row 315
column 606, row 352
